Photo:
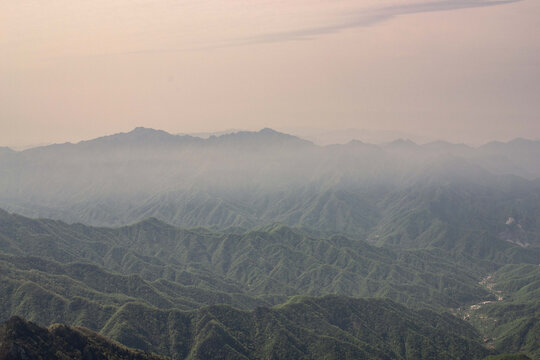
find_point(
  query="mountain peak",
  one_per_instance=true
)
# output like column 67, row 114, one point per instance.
column 268, row 131
column 402, row 144
column 141, row 131
column 264, row 137
column 138, row 136
column 517, row 143
column 144, row 129
column 402, row 141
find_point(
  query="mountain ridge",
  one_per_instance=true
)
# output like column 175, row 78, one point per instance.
column 141, row 132
column 341, row 327
column 105, row 278
column 20, row 339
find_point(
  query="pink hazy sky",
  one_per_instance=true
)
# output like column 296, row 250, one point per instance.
column 460, row 70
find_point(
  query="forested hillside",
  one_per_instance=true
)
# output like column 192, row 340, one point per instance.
column 97, row 277
column 20, row 339
column 303, row 328
column 252, row 268
column 263, row 245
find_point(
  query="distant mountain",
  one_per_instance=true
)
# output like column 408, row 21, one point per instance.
column 402, row 144
column 443, row 147
column 141, row 137
column 208, row 247
column 250, row 179
column 521, row 154
column 264, row 139
column 20, row 339
column 325, row 137
column 206, row 135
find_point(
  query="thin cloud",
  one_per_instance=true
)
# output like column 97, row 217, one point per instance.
column 350, row 20
column 368, row 18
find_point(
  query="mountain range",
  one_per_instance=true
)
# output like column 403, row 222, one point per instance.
column 108, row 279
column 249, row 179
column 262, row 245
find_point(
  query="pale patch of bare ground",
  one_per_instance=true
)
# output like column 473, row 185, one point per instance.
column 471, row 314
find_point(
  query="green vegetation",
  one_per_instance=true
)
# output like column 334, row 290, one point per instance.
column 330, row 327
column 285, row 249
column 513, row 323
column 508, row 357
column 176, row 292
column 20, row 339
column 170, row 267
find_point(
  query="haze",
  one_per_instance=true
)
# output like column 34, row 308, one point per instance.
column 461, row 70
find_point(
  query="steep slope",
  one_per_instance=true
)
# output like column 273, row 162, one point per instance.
column 243, row 179
column 486, row 218
column 519, row 156
column 267, row 264
column 21, row 340
column 55, row 272
column 513, row 322
column 304, row 328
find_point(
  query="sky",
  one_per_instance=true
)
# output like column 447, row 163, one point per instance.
column 458, row 70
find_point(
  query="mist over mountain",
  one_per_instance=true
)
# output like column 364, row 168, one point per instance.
column 245, row 179
column 328, row 137
column 253, row 243
column 5, row 151
column 270, row 180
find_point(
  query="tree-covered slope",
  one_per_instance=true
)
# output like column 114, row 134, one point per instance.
column 114, row 279
column 304, row 328
column 80, row 275
column 486, row 219
column 21, row 340
column 166, row 266
column 512, row 323
column 331, row 327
